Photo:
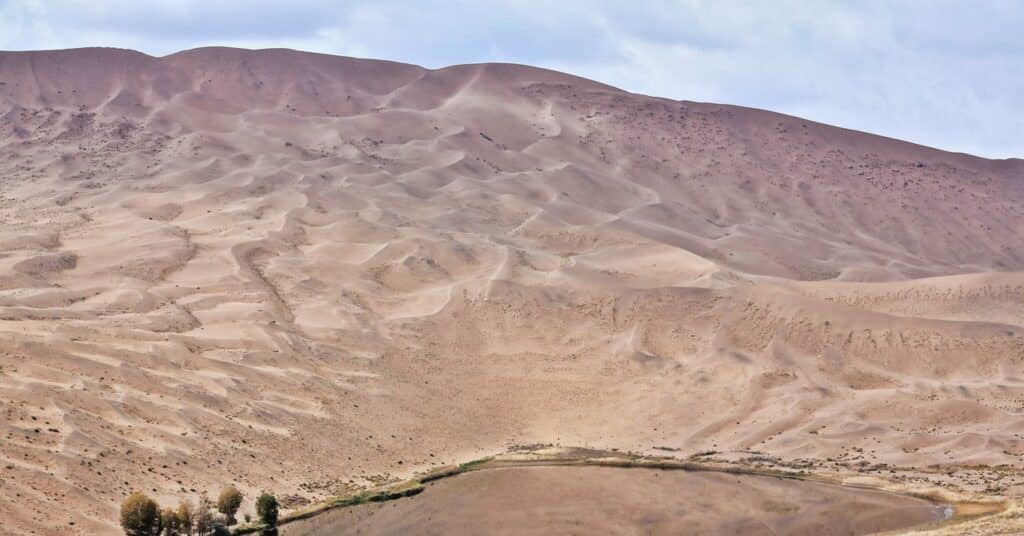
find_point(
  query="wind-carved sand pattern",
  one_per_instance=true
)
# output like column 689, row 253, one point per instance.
column 309, row 273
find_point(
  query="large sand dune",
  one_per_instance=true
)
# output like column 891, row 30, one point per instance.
column 307, row 273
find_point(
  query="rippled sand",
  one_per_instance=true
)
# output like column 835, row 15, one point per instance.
column 307, row 273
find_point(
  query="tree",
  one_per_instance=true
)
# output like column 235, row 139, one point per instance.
column 266, row 509
column 203, row 517
column 140, row 515
column 171, row 523
column 186, row 517
column 228, row 502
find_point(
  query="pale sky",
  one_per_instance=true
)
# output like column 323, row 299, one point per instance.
column 937, row 72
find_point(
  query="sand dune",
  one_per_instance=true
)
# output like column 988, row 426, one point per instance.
column 305, row 273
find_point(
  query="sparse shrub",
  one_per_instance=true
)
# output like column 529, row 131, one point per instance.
column 186, row 517
column 140, row 515
column 171, row 523
column 203, row 517
column 266, row 509
column 228, row 502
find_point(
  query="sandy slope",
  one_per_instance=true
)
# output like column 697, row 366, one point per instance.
column 304, row 273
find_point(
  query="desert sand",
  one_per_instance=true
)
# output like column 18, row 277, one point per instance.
column 309, row 274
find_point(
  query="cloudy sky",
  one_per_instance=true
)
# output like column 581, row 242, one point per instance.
column 944, row 73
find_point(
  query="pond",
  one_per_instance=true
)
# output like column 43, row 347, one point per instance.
column 609, row 500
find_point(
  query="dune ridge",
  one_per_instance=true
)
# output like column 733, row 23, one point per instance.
column 306, row 273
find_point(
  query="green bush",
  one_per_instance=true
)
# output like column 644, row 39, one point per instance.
column 266, row 509
column 171, row 523
column 228, row 502
column 203, row 517
column 140, row 516
column 186, row 517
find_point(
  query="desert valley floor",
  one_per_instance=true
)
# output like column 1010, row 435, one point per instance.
column 311, row 274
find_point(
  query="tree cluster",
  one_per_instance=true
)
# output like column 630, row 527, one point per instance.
column 142, row 516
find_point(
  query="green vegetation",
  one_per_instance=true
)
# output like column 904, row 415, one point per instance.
column 228, row 502
column 203, row 517
column 266, row 509
column 203, row 520
column 186, row 517
column 208, row 518
column 140, row 516
column 475, row 464
column 171, row 523
column 528, row 455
